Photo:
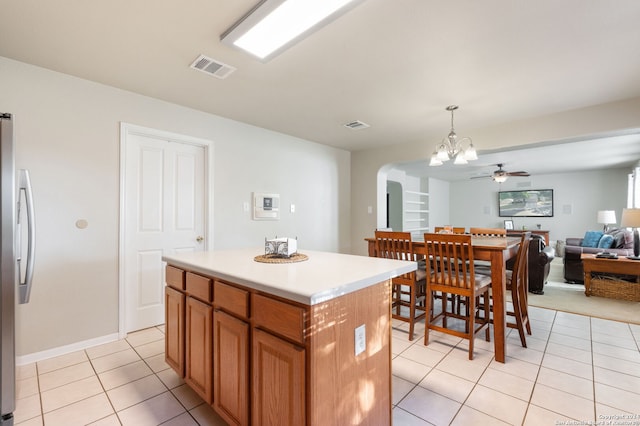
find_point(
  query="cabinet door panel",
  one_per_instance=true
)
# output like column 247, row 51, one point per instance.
column 199, row 350
column 174, row 329
column 278, row 371
column 231, row 368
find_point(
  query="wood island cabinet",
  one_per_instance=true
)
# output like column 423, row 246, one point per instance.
column 199, row 348
column 278, row 363
column 174, row 303
column 231, row 368
column 278, row 381
column 261, row 359
column 231, row 332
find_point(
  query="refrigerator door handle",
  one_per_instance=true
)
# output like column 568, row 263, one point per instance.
column 24, row 184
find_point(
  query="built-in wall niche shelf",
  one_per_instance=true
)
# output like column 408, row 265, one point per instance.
column 416, row 211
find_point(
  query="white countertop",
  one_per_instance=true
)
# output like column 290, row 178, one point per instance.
column 322, row 277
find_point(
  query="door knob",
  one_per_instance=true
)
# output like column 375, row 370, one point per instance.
column 200, row 238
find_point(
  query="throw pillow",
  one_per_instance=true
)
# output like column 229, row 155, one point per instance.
column 591, row 238
column 618, row 238
column 628, row 240
column 606, row 241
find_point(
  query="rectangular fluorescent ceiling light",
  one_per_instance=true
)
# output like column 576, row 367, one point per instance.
column 274, row 25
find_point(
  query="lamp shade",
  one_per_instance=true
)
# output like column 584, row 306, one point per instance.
column 607, row 217
column 630, row 218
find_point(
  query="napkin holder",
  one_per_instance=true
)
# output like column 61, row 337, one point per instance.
column 280, row 247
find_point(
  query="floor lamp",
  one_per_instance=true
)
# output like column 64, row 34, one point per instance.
column 631, row 219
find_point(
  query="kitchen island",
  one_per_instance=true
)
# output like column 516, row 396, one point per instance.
column 286, row 343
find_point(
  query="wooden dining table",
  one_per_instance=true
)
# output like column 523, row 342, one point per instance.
column 496, row 250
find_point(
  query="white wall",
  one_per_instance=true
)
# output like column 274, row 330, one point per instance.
column 67, row 133
column 409, row 183
column 577, row 197
column 439, row 203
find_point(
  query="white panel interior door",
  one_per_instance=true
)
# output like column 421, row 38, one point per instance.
column 164, row 214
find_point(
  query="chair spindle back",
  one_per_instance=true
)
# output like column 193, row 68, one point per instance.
column 450, row 261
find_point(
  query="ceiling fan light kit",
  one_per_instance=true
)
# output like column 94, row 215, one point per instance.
column 462, row 150
column 502, row 175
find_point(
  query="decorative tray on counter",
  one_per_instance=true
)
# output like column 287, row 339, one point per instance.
column 274, row 258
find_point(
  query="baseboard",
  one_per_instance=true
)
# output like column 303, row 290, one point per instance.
column 63, row 350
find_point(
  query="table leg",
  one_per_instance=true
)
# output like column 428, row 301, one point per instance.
column 499, row 289
column 587, row 279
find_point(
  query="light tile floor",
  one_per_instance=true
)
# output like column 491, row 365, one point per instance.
column 577, row 370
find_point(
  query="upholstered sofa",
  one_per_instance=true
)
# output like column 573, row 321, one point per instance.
column 622, row 245
column 539, row 263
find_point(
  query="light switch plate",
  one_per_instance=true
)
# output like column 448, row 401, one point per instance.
column 361, row 339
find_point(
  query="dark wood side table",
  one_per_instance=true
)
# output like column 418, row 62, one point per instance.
column 544, row 234
column 621, row 265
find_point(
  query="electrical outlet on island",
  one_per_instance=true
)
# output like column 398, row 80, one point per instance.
column 361, row 339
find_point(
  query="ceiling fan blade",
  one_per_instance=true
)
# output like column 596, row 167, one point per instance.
column 480, row 177
column 520, row 173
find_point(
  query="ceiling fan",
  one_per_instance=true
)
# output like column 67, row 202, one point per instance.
column 501, row 175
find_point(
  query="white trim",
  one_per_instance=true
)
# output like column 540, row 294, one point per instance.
column 66, row 349
column 131, row 129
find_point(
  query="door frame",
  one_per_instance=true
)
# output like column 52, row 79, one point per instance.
column 127, row 129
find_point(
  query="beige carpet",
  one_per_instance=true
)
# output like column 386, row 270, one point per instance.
column 570, row 298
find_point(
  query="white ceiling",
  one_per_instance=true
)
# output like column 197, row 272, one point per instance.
column 395, row 64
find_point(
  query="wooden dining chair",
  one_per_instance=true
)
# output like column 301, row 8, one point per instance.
column 408, row 290
column 484, row 266
column 517, row 285
column 450, row 270
column 455, row 229
column 455, row 299
column 488, row 232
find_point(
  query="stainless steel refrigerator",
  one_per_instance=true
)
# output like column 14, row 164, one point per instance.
column 17, row 220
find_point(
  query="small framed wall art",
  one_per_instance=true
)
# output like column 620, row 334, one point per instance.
column 508, row 224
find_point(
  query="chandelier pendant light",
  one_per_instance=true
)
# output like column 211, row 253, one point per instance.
column 451, row 147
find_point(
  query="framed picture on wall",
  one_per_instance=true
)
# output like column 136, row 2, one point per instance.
column 529, row 203
column 508, row 224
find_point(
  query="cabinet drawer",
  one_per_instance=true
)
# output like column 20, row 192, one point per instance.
column 279, row 317
column 174, row 277
column 200, row 287
column 232, row 299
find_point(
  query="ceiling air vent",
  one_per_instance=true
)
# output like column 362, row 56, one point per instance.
column 213, row 67
column 356, row 125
